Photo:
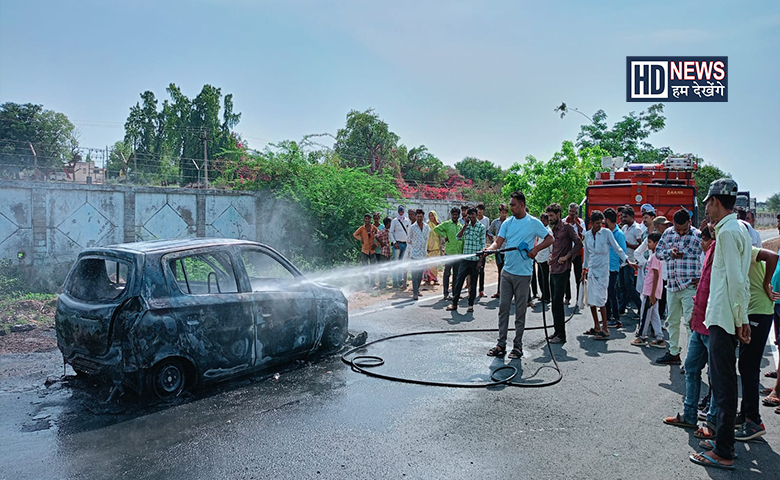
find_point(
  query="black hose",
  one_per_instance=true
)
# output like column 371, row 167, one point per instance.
column 361, row 367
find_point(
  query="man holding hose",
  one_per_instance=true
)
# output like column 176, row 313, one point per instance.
column 518, row 231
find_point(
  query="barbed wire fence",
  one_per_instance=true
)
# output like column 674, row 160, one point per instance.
column 94, row 165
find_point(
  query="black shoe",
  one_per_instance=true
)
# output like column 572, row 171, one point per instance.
column 739, row 421
column 669, row 359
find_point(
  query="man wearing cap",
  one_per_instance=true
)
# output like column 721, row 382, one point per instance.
column 645, row 208
column 399, row 232
column 680, row 248
column 726, row 316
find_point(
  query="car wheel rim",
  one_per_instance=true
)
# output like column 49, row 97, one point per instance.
column 170, row 379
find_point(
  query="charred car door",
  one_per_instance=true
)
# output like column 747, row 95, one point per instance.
column 284, row 306
column 216, row 319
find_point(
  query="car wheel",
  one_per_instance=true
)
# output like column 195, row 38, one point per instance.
column 168, row 379
column 333, row 337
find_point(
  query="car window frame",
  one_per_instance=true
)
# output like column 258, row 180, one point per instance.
column 106, row 256
column 174, row 284
column 246, row 281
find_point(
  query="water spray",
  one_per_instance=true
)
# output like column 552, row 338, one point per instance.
column 361, row 363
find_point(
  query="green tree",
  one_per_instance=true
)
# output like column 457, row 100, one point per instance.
column 627, row 137
column 480, row 170
column 562, row 179
column 169, row 141
column 420, row 165
column 773, row 203
column 366, row 141
column 52, row 135
column 704, row 176
column 119, row 159
column 317, row 225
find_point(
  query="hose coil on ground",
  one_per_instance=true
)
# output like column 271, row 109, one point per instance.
column 358, row 363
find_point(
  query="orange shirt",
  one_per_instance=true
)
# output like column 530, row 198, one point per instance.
column 366, row 236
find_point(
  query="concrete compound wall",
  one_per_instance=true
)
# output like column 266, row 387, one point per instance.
column 43, row 226
column 441, row 207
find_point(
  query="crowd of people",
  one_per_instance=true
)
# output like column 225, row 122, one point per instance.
column 714, row 281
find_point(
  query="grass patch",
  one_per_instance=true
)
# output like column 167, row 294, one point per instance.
column 19, row 306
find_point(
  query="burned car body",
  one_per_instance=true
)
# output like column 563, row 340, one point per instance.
column 163, row 316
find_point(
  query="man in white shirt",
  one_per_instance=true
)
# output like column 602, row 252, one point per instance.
column 579, row 226
column 749, row 221
column 542, row 260
column 484, row 220
column 418, row 245
column 626, row 278
column 398, row 235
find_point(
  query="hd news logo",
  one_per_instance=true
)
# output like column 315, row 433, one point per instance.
column 677, row 79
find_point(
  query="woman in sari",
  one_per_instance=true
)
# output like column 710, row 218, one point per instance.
column 434, row 249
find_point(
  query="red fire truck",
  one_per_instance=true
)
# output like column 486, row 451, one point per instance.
column 667, row 186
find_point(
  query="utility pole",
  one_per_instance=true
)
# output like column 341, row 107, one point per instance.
column 205, row 159
column 35, row 160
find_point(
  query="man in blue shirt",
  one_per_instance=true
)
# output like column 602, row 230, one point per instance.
column 613, row 314
column 520, row 230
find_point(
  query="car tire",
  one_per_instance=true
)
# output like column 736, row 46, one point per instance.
column 333, row 337
column 167, row 379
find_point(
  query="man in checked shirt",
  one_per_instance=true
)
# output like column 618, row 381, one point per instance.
column 680, row 248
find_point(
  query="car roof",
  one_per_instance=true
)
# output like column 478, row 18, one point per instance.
column 171, row 245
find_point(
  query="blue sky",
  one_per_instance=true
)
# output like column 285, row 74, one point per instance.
column 464, row 78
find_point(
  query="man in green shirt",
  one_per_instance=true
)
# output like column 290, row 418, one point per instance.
column 452, row 246
column 760, row 310
column 726, row 316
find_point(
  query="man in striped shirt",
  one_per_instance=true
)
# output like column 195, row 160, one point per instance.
column 473, row 234
column 680, row 248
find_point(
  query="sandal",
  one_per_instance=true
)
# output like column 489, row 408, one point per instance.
column 497, row 351
column 638, row 342
column 708, row 461
column 600, row 335
column 772, row 374
column 516, row 353
column 678, row 421
column 771, row 401
column 704, row 432
column 592, row 331
column 710, row 445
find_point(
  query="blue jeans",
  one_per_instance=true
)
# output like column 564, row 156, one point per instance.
column 399, row 277
column 627, row 290
column 698, row 351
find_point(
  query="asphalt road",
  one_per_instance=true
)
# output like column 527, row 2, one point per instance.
column 768, row 234
column 325, row 421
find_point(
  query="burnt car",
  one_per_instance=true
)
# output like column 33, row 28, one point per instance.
column 166, row 315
